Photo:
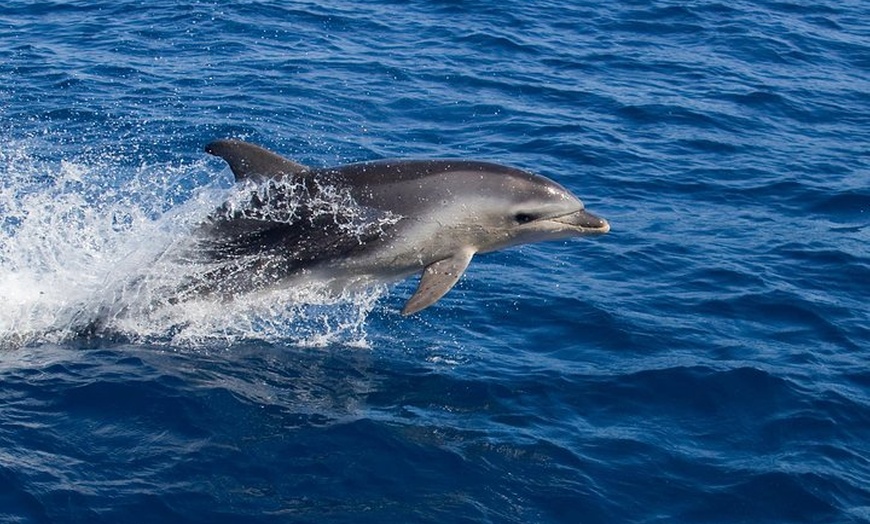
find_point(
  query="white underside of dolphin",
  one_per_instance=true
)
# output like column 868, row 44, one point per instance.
column 376, row 221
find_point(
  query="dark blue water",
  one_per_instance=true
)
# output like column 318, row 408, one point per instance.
column 706, row 361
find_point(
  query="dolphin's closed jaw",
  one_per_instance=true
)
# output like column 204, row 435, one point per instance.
column 584, row 222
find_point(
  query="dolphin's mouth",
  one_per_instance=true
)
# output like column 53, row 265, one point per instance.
column 584, row 222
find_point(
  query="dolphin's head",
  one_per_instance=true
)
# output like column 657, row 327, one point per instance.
column 526, row 208
column 482, row 205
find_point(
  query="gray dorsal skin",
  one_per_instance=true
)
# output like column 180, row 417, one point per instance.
column 403, row 217
column 248, row 161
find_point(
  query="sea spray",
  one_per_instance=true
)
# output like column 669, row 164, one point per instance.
column 89, row 246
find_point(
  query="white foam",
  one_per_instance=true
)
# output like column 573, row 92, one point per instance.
column 83, row 240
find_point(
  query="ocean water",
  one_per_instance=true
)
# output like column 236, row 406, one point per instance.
column 706, row 361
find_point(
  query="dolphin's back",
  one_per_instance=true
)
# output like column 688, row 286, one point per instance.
column 390, row 171
column 287, row 224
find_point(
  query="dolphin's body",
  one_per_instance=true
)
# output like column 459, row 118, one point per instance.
column 375, row 222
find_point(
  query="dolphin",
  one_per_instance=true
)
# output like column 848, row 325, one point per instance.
column 379, row 221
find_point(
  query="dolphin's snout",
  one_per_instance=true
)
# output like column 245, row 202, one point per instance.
column 585, row 221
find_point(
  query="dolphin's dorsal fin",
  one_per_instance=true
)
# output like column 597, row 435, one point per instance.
column 438, row 278
column 250, row 162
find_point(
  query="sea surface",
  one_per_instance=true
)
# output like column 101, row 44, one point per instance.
column 708, row 360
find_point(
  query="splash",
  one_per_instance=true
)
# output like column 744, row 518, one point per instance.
column 286, row 200
column 87, row 244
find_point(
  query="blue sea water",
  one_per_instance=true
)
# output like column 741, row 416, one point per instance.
column 706, row 361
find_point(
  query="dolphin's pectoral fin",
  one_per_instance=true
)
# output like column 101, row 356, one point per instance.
column 438, row 278
column 248, row 161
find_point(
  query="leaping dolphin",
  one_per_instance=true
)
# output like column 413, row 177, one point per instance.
column 376, row 221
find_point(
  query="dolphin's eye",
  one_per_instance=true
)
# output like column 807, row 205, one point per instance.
column 523, row 218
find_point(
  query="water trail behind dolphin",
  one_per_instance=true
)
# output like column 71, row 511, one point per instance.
column 88, row 242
